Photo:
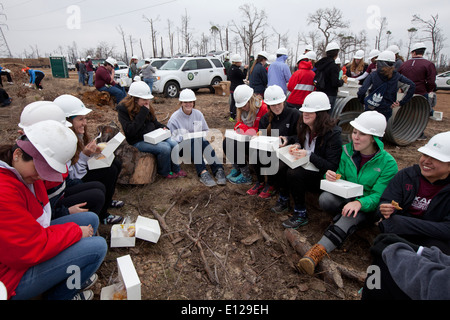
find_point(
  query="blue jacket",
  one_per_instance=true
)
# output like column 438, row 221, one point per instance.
column 279, row 73
column 376, row 79
column 32, row 74
column 258, row 78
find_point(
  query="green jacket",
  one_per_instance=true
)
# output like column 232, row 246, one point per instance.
column 374, row 175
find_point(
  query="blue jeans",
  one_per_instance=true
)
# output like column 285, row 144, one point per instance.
column 163, row 153
column 149, row 81
column 55, row 277
column 197, row 148
column 91, row 78
column 81, row 77
column 116, row 91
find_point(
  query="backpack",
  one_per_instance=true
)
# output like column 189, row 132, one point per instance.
column 373, row 100
column 319, row 80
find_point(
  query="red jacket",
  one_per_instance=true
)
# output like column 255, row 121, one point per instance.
column 24, row 243
column 242, row 128
column 301, row 83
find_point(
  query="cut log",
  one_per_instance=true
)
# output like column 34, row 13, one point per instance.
column 138, row 168
column 327, row 268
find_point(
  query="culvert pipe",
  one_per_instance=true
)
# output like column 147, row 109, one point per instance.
column 406, row 124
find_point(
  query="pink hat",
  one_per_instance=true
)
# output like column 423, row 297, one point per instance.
column 45, row 171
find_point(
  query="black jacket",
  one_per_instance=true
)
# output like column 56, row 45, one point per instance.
column 331, row 71
column 403, row 188
column 285, row 122
column 236, row 76
column 142, row 124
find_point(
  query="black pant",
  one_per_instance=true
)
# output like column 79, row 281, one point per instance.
column 8, row 76
column 38, row 79
column 108, row 177
column 91, row 192
column 239, row 155
column 232, row 106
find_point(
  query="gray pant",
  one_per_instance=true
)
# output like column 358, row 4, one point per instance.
column 343, row 226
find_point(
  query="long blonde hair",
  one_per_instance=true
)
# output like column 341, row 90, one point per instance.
column 357, row 68
column 131, row 103
column 255, row 103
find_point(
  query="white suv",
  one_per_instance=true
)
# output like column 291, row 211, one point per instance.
column 121, row 76
column 188, row 72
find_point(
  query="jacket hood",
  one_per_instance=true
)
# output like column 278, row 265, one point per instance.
column 305, row 65
column 325, row 63
column 282, row 58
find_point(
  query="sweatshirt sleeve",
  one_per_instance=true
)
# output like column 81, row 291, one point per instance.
column 23, row 241
column 130, row 127
column 421, row 277
column 411, row 89
column 80, row 168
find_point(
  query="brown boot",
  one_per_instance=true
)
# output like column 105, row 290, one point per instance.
column 311, row 259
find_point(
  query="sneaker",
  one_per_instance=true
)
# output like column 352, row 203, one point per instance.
column 85, row 295
column 233, row 173
column 240, row 179
column 90, row 282
column 231, row 119
column 423, row 137
column 295, row 221
column 181, row 174
column 255, row 189
column 280, row 207
column 112, row 219
column 117, row 204
column 267, row 192
column 220, row 177
column 207, row 180
column 171, row 175
column 311, row 259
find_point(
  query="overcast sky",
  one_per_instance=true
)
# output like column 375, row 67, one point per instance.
column 48, row 24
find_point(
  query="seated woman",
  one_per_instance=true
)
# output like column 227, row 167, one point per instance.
column 250, row 108
column 319, row 138
column 68, row 196
column 76, row 112
column 187, row 120
column 37, row 256
column 278, row 121
column 137, row 117
column 364, row 161
column 422, row 192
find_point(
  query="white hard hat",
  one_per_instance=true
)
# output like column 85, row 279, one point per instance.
column 83, row 59
column 134, row 58
column 370, row 122
column 88, row 57
column 136, row 78
column 309, row 47
column 42, row 110
column 147, row 60
column 282, row 51
column 187, row 95
column 272, row 59
column 417, row 46
column 374, row 53
column 338, row 61
column 302, row 57
column 264, row 54
column 387, row 56
column 395, row 49
column 311, row 55
column 54, row 141
column 274, row 95
column 242, row 94
column 236, row 58
column 359, row 54
column 332, row 46
column 140, row 89
column 72, row 106
column 438, row 147
column 316, row 101
column 111, row 61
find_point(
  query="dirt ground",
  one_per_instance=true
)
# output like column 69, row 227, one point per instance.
column 228, row 224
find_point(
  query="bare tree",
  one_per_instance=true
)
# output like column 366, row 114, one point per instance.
column 214, row 31
column 251, row 28
column 433, row 33
column 142, row 48
column 382, row 26
column 388, row 38
column 122, row 34
column 185, row 31
column 411, row 36
column 171, row 37
column 328, row 21
column 283, row 39
column 153, row 34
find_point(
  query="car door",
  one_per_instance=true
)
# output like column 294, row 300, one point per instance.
column 206, row 71
column 191, row 75
column 443, row 81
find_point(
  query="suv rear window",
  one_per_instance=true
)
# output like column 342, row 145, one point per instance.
column 203, row 64
column 217, row 63
column 173, row 64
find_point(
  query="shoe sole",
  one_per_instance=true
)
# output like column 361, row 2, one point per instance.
column 279, row 212
column 295, row 228
column 307, row 266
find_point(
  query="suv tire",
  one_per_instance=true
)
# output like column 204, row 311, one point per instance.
column 171, row 90
column 214, row 82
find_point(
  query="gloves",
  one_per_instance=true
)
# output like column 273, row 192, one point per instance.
column 385, row 239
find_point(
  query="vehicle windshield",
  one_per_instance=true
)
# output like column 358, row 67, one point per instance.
column 173, row 64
